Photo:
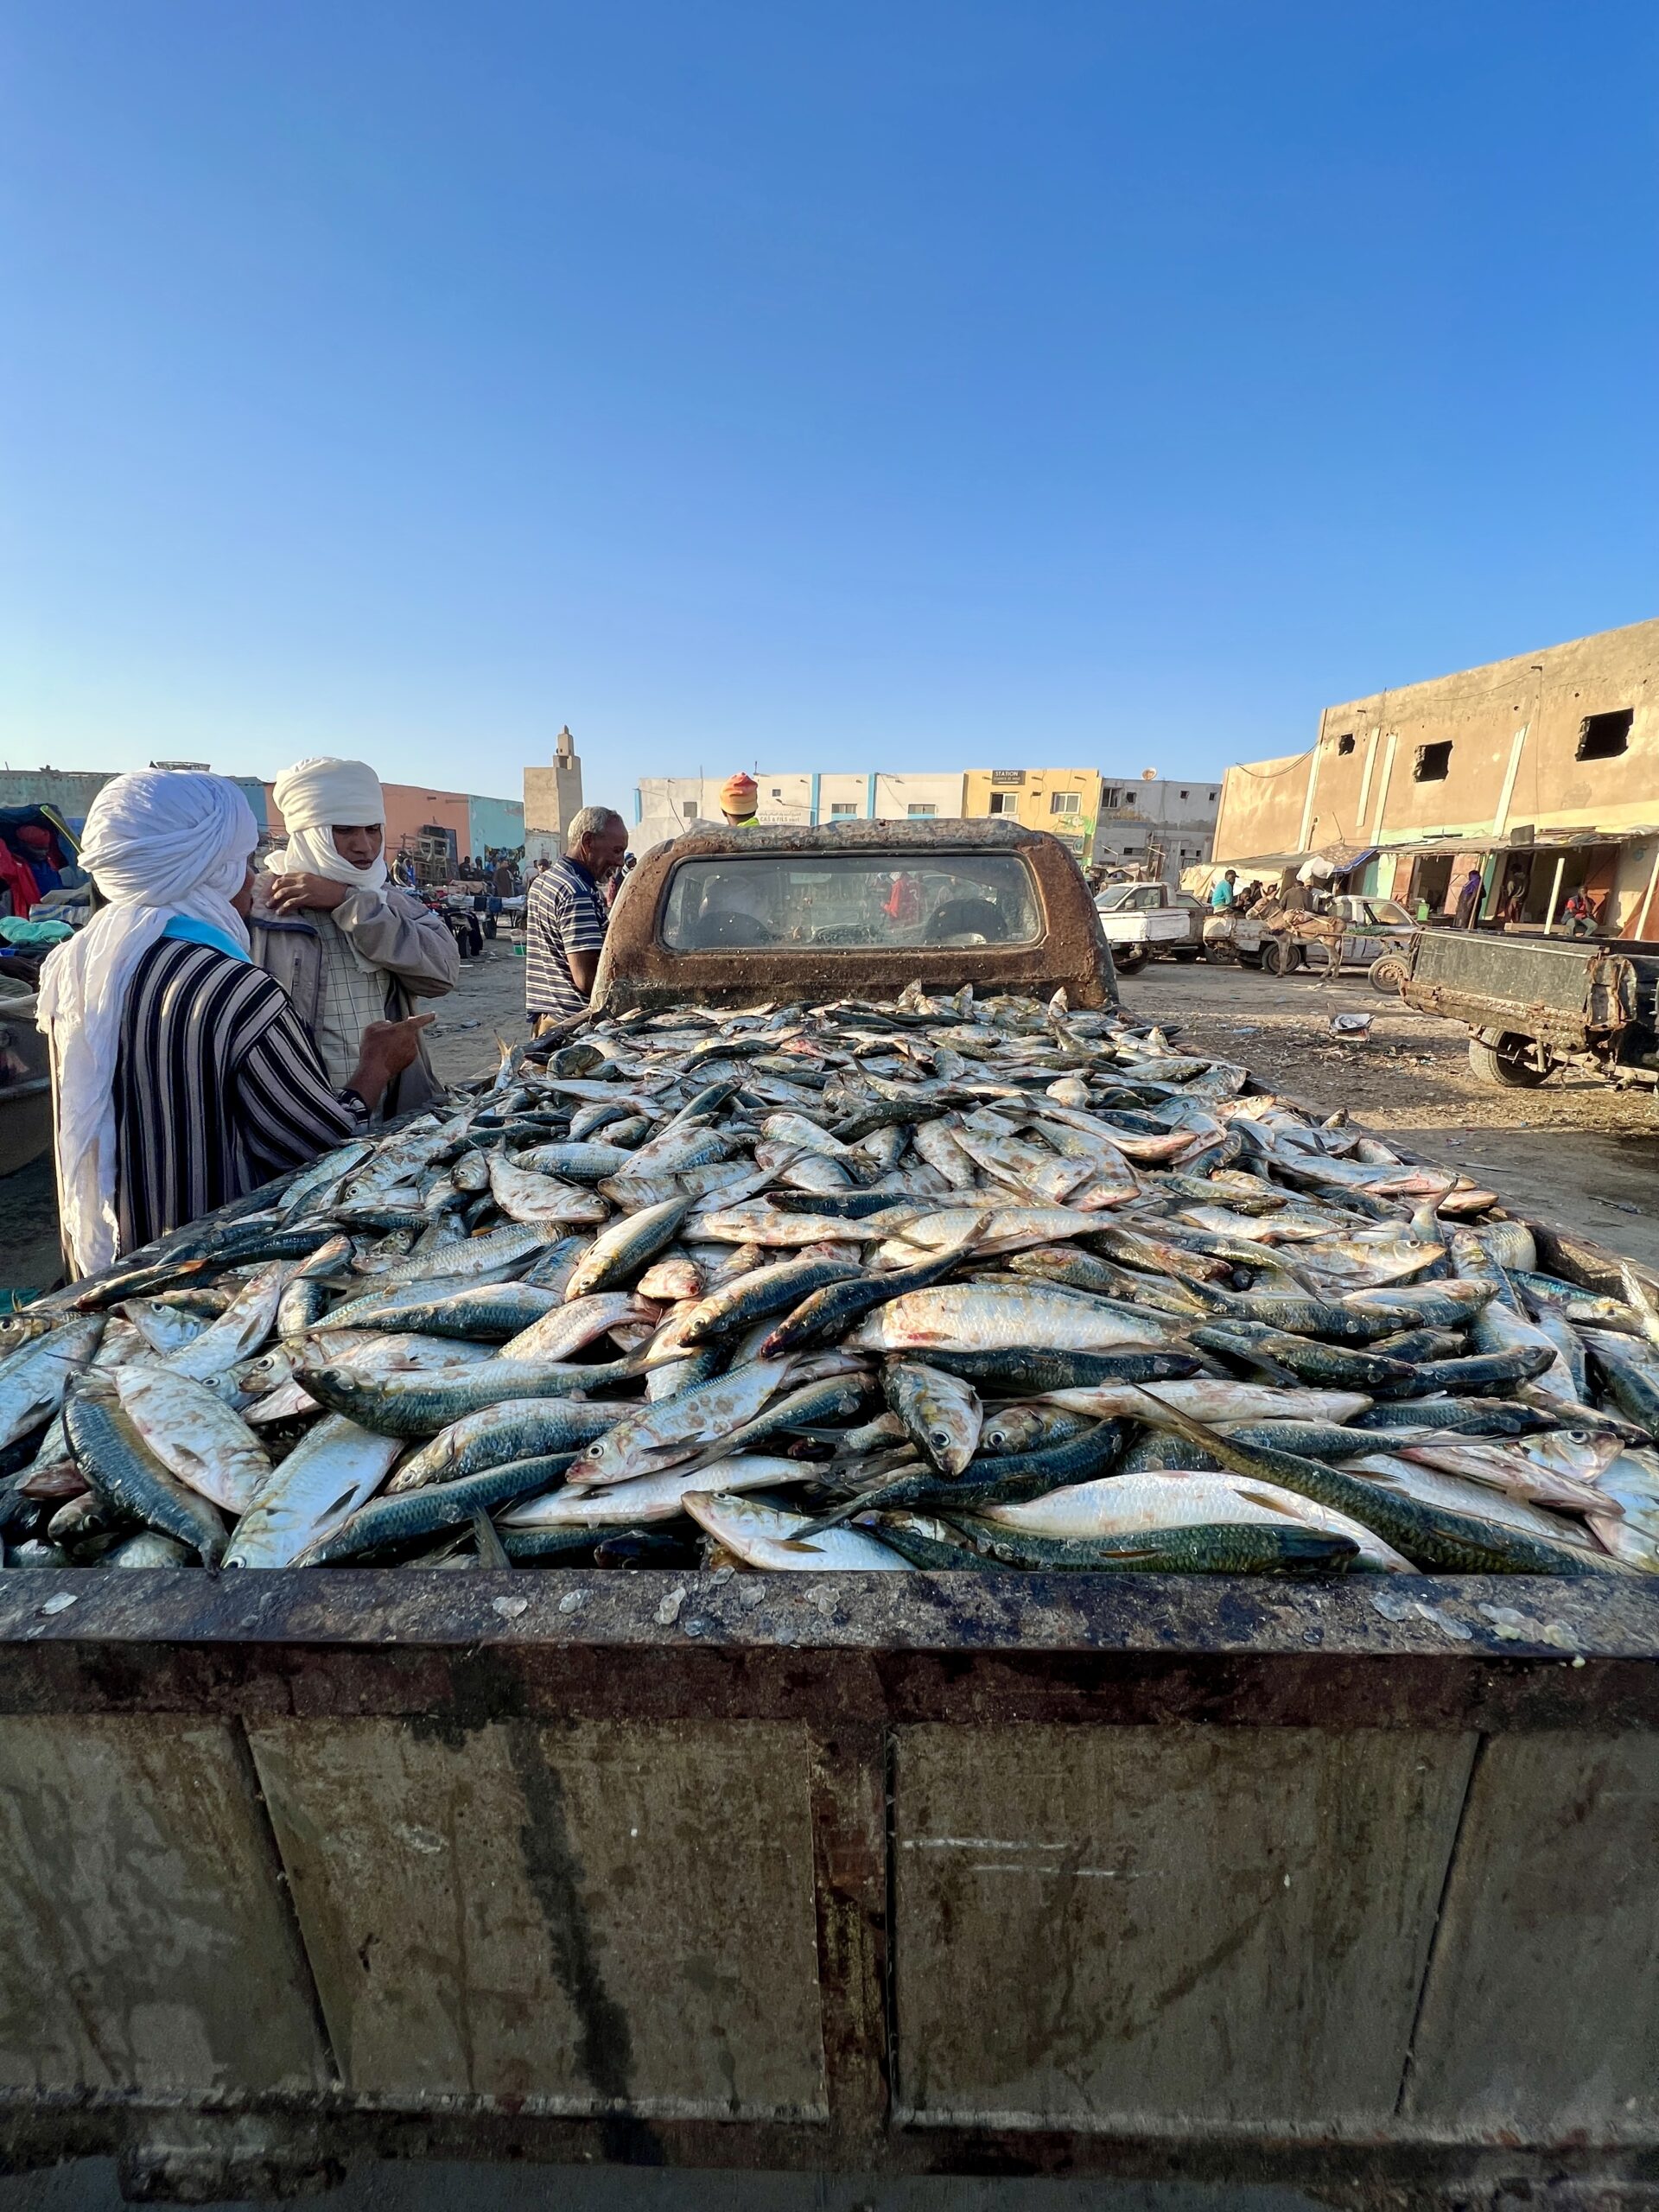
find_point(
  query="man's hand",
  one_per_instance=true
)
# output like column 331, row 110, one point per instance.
column 290, row 895
column 385, row 1049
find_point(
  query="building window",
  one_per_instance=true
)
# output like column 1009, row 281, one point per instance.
column 1433, row 763
column 1111, row 798
column 1066, row 802
column 777, row 790
column 913, row 810
column 1345, row 742
column 841, row 808
column 1212, row 799
column 1602, row 737
column 1186, row 794
column 1004, row 803
column 689, row 809
column 1128, row 798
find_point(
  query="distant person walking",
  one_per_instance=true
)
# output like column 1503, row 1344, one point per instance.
column 1468, row 900
column 565, row 920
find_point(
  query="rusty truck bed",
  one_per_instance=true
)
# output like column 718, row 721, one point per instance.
column 1345, row 1885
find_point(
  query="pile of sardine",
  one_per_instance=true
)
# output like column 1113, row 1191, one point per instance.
column 940, row 1283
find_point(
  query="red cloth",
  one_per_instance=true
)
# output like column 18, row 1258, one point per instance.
column 18, row 878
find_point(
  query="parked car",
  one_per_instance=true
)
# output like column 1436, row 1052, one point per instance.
column 1140, row 919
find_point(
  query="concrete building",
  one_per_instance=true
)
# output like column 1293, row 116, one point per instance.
column 72, row 791
column 1542, row 770
column 552, row 801
column 1160, row 824
column 465, row 823
column 665, row 805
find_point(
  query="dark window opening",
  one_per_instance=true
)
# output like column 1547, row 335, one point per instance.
column 1603, row 737
column 1433, row 763
column 1345, row 742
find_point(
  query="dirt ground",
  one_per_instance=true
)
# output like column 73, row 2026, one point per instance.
column 1573, row 1153
column 1407, row 1078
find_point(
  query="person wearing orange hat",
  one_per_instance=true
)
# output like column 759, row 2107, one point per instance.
column 737, row 797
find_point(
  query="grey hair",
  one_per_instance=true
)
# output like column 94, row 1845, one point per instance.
column 591, row 822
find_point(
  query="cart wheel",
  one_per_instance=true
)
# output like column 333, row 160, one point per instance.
column 1503, row 1057
column 1133, row 957
column 1280, row 955
column 1217, row 955
column 1387, row 974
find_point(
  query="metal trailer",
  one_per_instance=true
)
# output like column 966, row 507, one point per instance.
column 1534, row 1004
column 1349, row 1887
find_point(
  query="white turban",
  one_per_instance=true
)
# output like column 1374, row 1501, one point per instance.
column 311, row 797
column 158, row 844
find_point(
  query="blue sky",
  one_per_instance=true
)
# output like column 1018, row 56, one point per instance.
column 921, row 384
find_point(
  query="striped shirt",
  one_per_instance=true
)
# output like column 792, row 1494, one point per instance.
column 217, row 1088
column 564, row 913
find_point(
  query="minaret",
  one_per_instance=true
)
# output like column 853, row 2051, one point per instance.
column 552, row 801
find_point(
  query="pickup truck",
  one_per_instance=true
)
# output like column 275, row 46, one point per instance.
column 1143, row 919
column 1342, row 1886
column 1534, row 1005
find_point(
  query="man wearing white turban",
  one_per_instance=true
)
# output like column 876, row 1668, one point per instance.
column 349, row 947
column 181, row 1075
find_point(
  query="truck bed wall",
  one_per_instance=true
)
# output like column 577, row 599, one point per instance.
column 1566, row 992
column 1133, row 1875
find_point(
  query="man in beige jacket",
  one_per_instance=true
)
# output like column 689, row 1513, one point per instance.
column 348, row 946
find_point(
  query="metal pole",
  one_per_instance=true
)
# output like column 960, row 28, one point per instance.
column 1653, row 878
column 1555, row 889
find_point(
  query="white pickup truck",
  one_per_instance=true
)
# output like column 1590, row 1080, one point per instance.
column 1140, row 919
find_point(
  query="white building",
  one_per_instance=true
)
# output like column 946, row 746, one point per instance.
column 663, row 806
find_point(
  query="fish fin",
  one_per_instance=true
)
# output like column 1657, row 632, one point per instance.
column 492, row 1552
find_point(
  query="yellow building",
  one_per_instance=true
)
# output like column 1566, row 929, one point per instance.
column 1063, row 800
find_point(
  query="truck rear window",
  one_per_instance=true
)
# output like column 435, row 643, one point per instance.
column 863, row 900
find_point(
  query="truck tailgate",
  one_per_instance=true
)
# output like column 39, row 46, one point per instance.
column 1093, row 1874
column 1560, row 990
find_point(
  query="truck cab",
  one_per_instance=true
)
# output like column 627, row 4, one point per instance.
column 732, row 916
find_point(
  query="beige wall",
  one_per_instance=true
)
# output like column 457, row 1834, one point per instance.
column 1514, row 729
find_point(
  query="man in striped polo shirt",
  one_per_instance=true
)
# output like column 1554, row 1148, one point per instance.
column 564, row 919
